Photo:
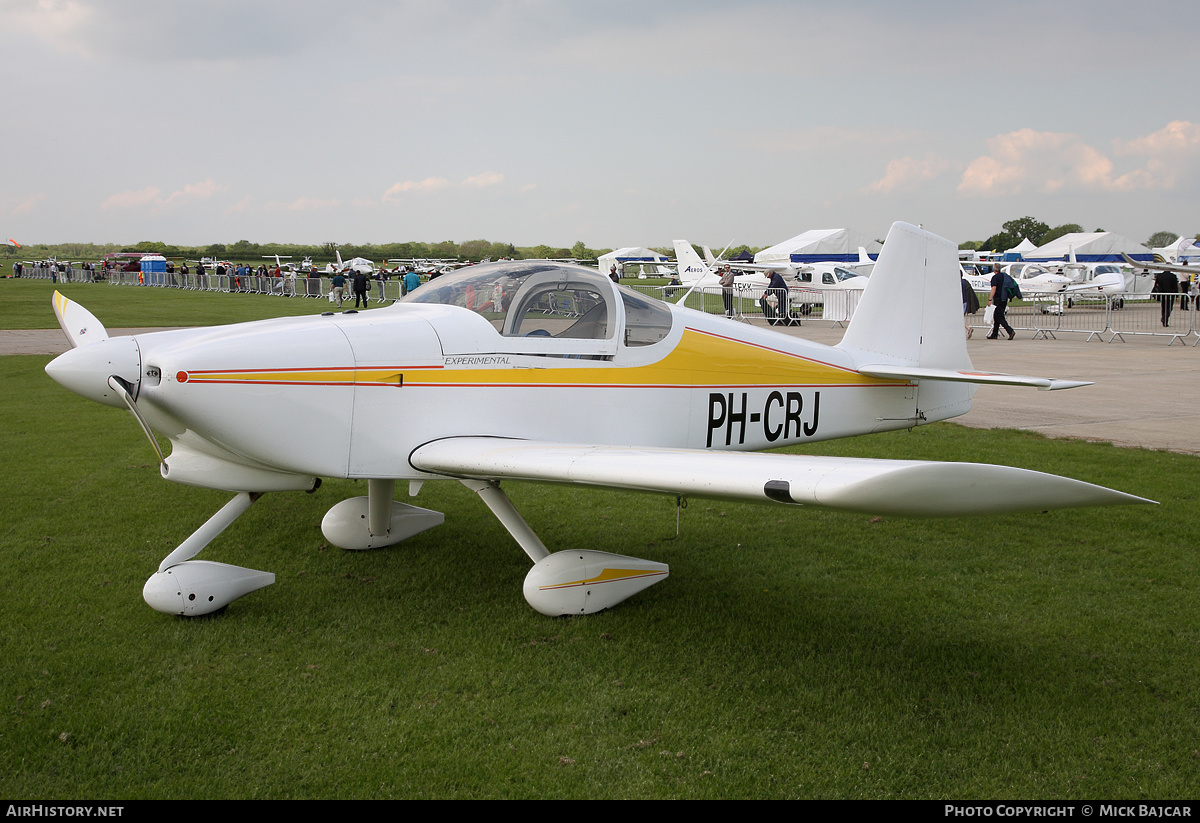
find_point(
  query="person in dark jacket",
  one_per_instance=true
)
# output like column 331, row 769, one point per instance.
column 970, row 303
column 360, row 289
column 1166, row 284
column 999, row 299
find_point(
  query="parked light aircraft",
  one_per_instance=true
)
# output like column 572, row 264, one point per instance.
column 519, row 370
column 807, row 282
column 354, row 264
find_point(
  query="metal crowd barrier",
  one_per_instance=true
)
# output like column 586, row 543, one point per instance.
column 1100, row 317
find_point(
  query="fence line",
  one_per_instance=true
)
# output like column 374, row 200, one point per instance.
column 1102, row 317
column 1107, row 318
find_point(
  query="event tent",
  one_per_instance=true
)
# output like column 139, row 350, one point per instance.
column 837, row 245
column 632, row 255
column 1185, row 248
column 1022, row 248
column 1090, row 247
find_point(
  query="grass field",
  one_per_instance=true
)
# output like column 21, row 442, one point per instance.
column 792, row 653
column 25, row 304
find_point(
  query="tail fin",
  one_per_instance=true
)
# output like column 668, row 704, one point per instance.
column 909, row 323
column 691, row 267
column 708, row 256
column 911, row 311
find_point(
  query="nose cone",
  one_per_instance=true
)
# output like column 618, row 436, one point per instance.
column 86, row 370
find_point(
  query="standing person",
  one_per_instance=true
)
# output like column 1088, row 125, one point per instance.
column 1166, row 284
column 612, row 274
column 411, row 281
column 337, row 287
column 727, row 278
column 999, row 299
column 360, row 289
column 970, row 303
column 382, row 277
column 777, row 312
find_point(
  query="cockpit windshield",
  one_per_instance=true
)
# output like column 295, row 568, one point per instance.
column 539, row 298
column 528, row 299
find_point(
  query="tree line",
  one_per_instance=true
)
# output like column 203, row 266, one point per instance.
column 245, row 251
column 1039, row 233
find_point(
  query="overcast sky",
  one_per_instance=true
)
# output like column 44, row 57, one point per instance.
column 615, row 123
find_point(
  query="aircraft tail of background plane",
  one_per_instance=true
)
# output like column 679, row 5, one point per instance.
column 691, row 267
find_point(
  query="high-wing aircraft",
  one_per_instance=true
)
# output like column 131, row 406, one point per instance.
column 518, row 370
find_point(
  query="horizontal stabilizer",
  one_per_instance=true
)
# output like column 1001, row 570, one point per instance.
column 898, row 487
column 969, row 376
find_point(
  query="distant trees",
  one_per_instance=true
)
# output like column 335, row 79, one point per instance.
column 1014, row 231
column 1024, row 228
column 1161, row 238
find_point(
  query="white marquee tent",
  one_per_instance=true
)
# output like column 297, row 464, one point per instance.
column 627, row 258
column 839, row 245
column 1090, row 247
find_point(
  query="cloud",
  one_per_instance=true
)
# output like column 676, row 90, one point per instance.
column 1051, row 162
column 1171, row 154
column 60, row 24
column 432, row 184
column 479, row 181
column 193, row 191
column 909, row 172
column 150, row 196
column 131, row 199
column 25, row 205
column 1045, row 161
column 416, row 186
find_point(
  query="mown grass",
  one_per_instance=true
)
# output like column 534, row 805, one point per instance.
column 792, row 653
column 25, row 304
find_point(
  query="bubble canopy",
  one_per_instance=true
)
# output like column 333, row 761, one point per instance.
column 553, row 301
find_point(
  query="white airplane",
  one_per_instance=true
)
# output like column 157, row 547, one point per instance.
column 808, row 283
column 1056, row 287
column 354, row 264
column 516, row 371
column 695, row 273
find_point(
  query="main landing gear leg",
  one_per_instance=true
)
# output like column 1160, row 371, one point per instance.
column 568, row 582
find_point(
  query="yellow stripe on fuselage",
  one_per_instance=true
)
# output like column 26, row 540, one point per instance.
column 700, row 359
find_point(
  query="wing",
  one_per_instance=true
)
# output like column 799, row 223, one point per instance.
column 898, row 487
column 1150, row 264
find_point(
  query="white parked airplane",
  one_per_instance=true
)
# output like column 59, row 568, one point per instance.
column 354, row 264
column 515, row 371
column 807, row 283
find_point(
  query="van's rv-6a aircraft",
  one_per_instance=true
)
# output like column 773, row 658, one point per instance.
column 518, row 370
